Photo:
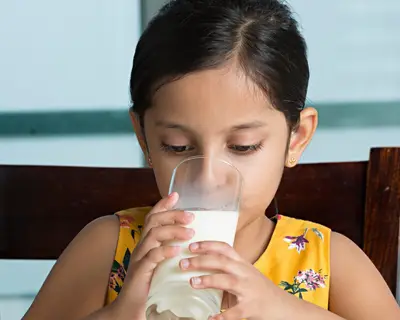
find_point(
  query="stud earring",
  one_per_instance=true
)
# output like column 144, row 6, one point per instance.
column 292, row 161
column 149, row 161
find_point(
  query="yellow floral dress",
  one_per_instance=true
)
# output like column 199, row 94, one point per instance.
column 297, row 258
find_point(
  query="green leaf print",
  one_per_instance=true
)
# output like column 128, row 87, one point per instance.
column 127, row 258
column 115, row 266
column 304, row 281
column 286, row 285
column 318, row 233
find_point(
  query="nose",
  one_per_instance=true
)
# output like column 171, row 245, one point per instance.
column 206, row 182
column 206, row 175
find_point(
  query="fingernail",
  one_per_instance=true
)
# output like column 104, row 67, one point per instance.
column 194, row 246
column 171, row 195
column 189, row 215
column 196, row 280
column 190, row 232
column 184, row 263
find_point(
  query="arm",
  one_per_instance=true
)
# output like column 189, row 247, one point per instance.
column 77, row 284
column 358, row 290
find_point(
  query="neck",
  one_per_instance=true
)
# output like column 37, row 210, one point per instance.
column 252, row 238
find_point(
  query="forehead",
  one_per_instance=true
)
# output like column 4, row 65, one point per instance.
column 211, row 94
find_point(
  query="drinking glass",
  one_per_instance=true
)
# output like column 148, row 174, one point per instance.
column 209, row 188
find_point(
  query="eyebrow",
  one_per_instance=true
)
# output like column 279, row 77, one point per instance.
column 171, row 125
column 242, row 126
column 249, row 125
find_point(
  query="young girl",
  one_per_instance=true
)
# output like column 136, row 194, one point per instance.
column 227, row 79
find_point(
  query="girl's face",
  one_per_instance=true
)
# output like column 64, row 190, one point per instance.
column 222, row 114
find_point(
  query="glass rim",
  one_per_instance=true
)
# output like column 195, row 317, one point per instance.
column 171, row 183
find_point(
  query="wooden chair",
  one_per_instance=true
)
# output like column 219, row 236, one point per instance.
column 43, row 208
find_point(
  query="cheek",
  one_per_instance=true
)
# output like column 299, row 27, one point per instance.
column 262, row 178
column 163, row 172
column 163, row 177
column 162, row 167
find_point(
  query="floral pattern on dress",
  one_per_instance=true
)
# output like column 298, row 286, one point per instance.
column 126, row 222
column 119, row 270
column 299, row 242
column 305, row 281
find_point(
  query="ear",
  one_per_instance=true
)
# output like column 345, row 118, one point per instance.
column 301, row 137
column 140, row 135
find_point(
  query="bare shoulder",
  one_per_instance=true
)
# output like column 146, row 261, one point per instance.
column 358, row 291
column 77, row 284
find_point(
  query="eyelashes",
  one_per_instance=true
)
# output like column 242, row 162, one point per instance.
column 175, row 149
column 245, row 149
column 234, row 148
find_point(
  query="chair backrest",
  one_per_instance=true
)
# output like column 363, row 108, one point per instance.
column 43, row 208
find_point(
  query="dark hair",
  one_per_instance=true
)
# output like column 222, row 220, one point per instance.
column 193, row 35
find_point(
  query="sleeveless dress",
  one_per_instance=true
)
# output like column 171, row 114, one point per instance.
column 297, row 258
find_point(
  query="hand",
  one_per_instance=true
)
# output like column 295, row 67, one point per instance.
column 161, row 225
column 251, row 290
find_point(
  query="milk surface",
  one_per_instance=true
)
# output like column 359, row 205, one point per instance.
column 173, row 283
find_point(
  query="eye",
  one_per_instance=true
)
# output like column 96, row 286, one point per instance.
column 175, row 149
column 241, row 149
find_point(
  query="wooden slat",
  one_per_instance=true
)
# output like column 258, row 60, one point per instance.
column 45, row 207
column 332, row 194
column 3, row 228
column 381, row 232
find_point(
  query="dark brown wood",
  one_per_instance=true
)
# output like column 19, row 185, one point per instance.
column 3, row 230
column 332, row 194
column 382, row 212
column 43, row 208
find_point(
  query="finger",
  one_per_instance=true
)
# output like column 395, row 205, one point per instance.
column 214, row 247
column 165, row 204
column 234, row 313
column 167, row 218
column 158, row 235
column 221, row 281
column 217, row 263
column 156, row 255
column 140, row 272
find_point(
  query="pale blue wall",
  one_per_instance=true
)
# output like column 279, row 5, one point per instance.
column 62, row 55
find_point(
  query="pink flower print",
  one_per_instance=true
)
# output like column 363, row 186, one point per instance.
column 298, row 243
column 113, row 284
column 301, row 276
column 121, row 273
column 313, row 280
column 309, row 279
column 126, row 222
column 113, row 281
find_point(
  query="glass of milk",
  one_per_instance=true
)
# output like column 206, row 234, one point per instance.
column 210, row 189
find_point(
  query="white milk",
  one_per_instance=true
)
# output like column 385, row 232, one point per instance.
column 170, row 290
